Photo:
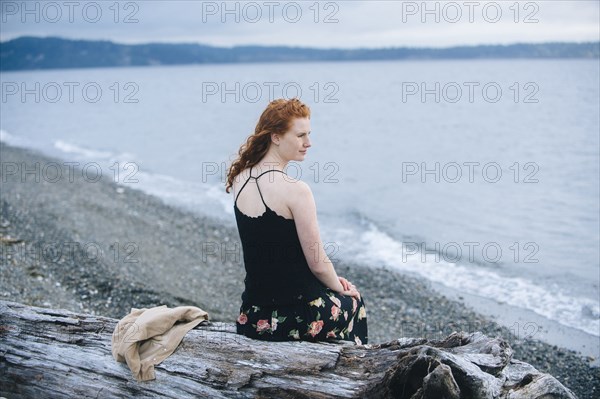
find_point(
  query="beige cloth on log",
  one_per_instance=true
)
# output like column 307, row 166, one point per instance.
column 145, row 337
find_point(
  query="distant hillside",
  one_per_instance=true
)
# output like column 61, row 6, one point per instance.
column 49, row 53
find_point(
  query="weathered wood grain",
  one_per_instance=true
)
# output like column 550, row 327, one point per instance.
column 48, row 353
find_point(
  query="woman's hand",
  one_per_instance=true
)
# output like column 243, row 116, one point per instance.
column 349, row 288
column 345, row 283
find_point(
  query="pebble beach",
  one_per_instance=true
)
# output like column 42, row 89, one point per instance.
column 102, row 248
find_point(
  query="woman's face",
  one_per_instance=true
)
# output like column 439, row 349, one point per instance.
column 294, row 143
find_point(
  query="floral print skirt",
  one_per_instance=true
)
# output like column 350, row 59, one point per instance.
column 331, row 316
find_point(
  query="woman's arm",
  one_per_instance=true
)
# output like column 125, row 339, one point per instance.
column 304, row 210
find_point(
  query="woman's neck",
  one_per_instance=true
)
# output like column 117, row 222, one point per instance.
column 271, row 162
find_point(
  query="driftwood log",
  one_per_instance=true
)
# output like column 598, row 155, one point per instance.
column 48, row 353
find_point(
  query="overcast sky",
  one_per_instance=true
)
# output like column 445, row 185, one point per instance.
column 344, row 24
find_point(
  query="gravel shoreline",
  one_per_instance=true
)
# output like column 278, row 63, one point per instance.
column 101, row 248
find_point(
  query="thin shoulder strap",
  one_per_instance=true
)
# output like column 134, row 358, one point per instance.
column 253, row 177
column 270, row 170
column 244, row 185
column 267, row 171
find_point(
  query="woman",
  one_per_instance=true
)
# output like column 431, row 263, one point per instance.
column 292, row 291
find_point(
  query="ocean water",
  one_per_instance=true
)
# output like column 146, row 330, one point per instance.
column 481, row 176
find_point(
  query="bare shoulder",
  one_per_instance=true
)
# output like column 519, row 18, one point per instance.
column 297, row 186
column 301, row 195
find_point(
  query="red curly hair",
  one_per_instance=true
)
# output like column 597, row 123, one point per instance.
column 276, row 118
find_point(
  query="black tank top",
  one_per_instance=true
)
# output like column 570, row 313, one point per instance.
column 277, row 272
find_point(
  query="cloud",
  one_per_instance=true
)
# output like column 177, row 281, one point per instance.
column 345, row 24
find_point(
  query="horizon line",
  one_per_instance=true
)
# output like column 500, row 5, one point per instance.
column 298, row 46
